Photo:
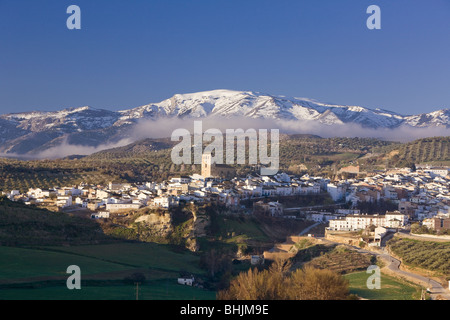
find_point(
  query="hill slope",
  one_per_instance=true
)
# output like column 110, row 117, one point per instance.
column 22, row 225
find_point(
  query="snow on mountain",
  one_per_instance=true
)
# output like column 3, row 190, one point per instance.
column 86, row 125
column 230, row 103
column 440, row 118
column 67, row 120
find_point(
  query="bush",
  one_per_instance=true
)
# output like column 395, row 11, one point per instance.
column 278, row 284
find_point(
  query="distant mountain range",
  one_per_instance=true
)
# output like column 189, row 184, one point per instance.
column 31, row 133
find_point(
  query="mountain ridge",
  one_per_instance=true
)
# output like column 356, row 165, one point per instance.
column 28, row 133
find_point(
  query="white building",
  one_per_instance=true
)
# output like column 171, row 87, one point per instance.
column 358, row 222
column 442, row 172
column 100, row 215
column 112, row 207
column 64, row 201
column 180, row 180
column 336, row 192
column 165, row 202
column 321, row 216
column 186, row 281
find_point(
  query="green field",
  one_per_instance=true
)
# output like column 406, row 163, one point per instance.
column 391, row 288
column 158, row 290
column 19, row 263
column 139, row 255
column 40, row 273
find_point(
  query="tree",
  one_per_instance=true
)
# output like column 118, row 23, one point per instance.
column 216, row 261
column 315, row 284
column 280, row 267
column 277, row 284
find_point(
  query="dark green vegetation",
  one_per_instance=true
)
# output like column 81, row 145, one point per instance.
column 428, row 255
column 376, row 206
column 156, row 290
column 40, row 272
column 150, row 160
column 38, row 245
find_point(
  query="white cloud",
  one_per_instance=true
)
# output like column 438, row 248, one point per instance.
column 163, row 128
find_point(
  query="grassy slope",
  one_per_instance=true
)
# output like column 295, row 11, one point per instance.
column 158, row 290
column 40, row 273
column 17, row 263
column 391, row 288
column 140, row 255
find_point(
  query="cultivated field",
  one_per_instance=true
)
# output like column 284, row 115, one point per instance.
column 40, row 273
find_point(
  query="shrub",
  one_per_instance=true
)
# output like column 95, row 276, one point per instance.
column 277, row 284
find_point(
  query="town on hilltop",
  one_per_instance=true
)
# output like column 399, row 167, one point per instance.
column 421, row 196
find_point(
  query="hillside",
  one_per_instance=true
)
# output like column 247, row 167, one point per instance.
column 432, row 151
column 149, row 159
column 425, row 255
column 138, row 149
column 22, row 225
column 428, row 150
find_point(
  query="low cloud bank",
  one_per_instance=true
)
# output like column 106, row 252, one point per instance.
column 163, row 128
column 66, row 149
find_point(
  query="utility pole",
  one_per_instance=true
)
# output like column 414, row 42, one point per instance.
column 137, row 290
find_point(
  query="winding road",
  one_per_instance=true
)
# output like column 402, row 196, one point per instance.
column 434, row 287
column 393, row 265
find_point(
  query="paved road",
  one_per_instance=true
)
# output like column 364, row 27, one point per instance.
column 423, row 237
column 309, row 228
column 435, row 288
column 315, row 207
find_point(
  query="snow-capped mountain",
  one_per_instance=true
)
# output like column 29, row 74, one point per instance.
column 32, row 132
column 229, row 103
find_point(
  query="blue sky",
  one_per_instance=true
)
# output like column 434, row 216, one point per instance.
column 130, row 53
